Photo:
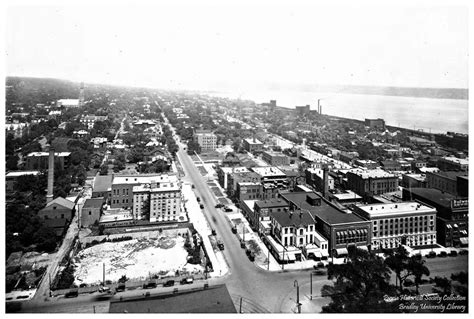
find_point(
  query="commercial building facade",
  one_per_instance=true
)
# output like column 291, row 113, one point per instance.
column 275, row 158
column 371, row 182
column 406, row 223
column 206, row 140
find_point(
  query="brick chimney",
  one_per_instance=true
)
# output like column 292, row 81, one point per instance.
column 325, row 181
column 49, row 195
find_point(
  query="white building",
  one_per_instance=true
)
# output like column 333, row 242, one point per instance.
column 160, row 201
column 405, row 223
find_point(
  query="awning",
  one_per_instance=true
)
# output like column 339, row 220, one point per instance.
column 359, row 232
column 448, row 226
column 463, row 240
column 341, row 251
column 455, row 225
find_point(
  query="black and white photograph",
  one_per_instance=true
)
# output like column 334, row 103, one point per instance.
column 235, row 157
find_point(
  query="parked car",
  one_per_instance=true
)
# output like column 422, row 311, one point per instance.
column 463, row 252
column 431, row 254
column 320, row 272
column 219, row 205
column 228, row 209
column 320, row 264
column 72, row 294
column 104, row 289
column 213, row 231
column 187, row 281
column 82, row 285
column 168, row 283
column 149, row 285
column 443, row 254
column 242, row 244
column 202, row 206
column 234, row 230
column 120, row 288
column 198, row 199
column 453, row 253
column 220, row 244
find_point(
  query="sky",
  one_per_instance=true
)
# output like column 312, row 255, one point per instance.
column 212, row 46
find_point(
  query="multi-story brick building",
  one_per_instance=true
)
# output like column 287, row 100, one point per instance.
column 371, row 182
column 275, row 158
column 406, row 223
column 445, row 181
column 452, row 214
column 315, row 178
column 453, row 164
column 91, row 210
column 252, row 145
column 224, row 172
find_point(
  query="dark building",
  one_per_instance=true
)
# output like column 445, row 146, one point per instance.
column 447, row 181
column 57, row 214
column 367, row 183
column 452, row 218
column 91, row 211
column 378, row 124
column 302, row 110
column 40, row 160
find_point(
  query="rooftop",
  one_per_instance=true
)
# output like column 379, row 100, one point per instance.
column 62, row 202
column 93, row 202
column 295, row 219
column 433, row 196
column 144, row 179
column 450, row 174
column 274, row 202
column 252, row 141
column 239, row 169
column 406, row 208
column 102, row 183
column 325, row 212
column 461, row 161
column 60, row 154
column 21, row 173
column 374, row 173
column 268, row 171
column 347, row 195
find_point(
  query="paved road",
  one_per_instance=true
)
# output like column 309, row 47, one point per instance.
column 268, row 290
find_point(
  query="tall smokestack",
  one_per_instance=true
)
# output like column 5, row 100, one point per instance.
column 325, row 181
column 49, row 195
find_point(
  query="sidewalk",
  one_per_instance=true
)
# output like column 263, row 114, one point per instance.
column 202, row 226
column 308, row 304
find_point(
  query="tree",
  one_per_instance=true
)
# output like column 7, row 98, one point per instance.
column 101, row 229
column 398, row 261
column 442, row 286
column 12, row 162
column 360, row 284
column 104, row 169
column 416, row 265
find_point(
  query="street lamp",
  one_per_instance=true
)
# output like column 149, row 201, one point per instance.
column 295, row 284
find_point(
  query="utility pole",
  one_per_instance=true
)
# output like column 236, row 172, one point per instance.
column 268, row 258
column 240, row 307
column 103, row 274
column 295, row 283
column 311, row 286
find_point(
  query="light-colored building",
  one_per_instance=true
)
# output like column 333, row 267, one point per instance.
column 206, row 140
column 414, row 180
column 159, row 202
column 406, row 223
column 68, row 103
column 224, row 172
column 89, row 120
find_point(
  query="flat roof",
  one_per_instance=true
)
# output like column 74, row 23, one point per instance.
column 450, row 174
column 404, row 208
column 372, row 173
column 268, row 171
column 274, row 202
column 60, row 154
column 21, row 173
column 163, row 187
column 240, row 169
column 318, row 172
column 325, row 212
column 453, row 159
column 433, row 195
column 418, row 177
column 144, row 179
column 215, row 299
column 251, row 141
column 93, row 202
column 102, row 183
column 347, row 195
